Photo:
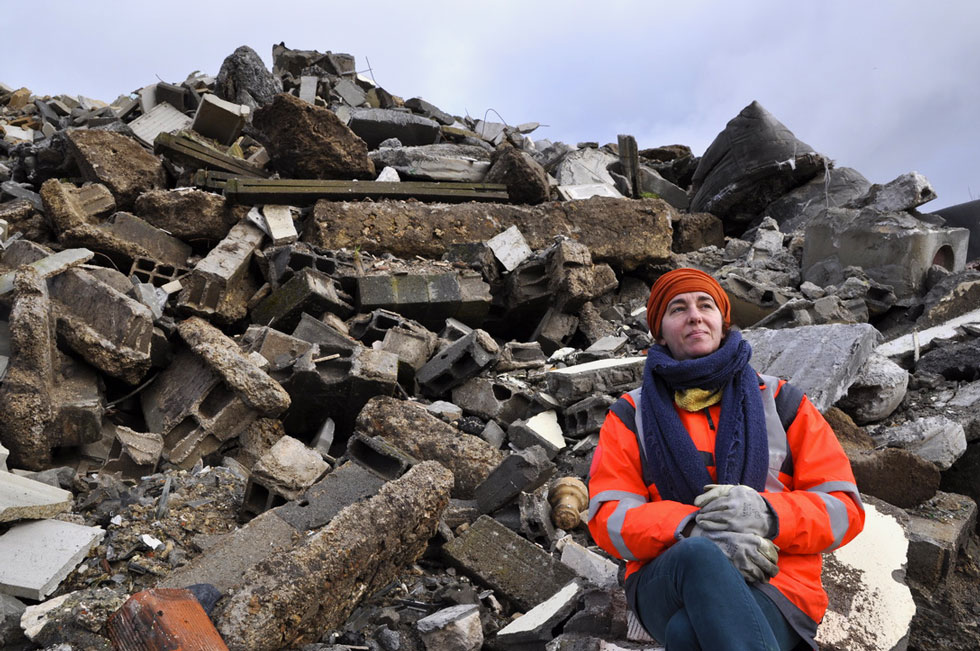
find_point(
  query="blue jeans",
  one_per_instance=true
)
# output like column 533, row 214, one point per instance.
column 691, row 597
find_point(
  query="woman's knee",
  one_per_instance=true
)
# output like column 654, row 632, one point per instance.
column 699, row 555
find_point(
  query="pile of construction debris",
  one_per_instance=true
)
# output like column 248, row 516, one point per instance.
column 301, row 364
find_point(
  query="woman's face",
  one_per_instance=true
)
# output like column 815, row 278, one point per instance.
column 692, row 326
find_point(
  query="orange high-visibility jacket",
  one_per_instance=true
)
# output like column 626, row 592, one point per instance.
column 810, row 487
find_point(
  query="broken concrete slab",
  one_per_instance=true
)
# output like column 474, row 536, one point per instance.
column 168, row 210
column 406, row 229
column 41, row 413
column 310, row 142
column 360, row 551
column 410, row 427
column 70, row 207
column 512, row 566
column 46, row 267
column 585, row 166
column 831, row 188
column 574, row 383
column 912, row 343
column 938, row 530
column 287, row 470
column 436, row 162
column 539, row 623
column 162, row 118
column 905, row 192
column 22, row 498
column 375, row 125
column 877, row 613
column 752, row 162
column 894, row 249
column 820, row 360
column 133, row 454
column 934, row 438
column 350, row 483
column 39, row 555
column 594, row 568
column 877, row 390
column 225, row 357
column 541, row 429
column 116, row 161
column 510, row 248
column 456, row 627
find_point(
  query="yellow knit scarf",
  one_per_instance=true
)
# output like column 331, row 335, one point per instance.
column 696, row 399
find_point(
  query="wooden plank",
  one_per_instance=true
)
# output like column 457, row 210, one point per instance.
column 299, row 191
column 203, row 156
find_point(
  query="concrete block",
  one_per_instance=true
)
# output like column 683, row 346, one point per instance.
column 350, row 483
column 348, row 92
column 937, row 531
column 22, row 498
column 493, row 434
column 539, row 623
column 586, row 416
column 284, row 261
column 606, row 347
column 162, row 118
column 11, row 611
column 279, row 349
column 134, row 454
column 69, row 207
column 159, row 246
column 288, row 469
column 427, row 298
column 892, row 248
column 554, row 330
column 571, row 384
column 174, row 615
column 369, row 328
column 379, row 455
column 118, row 162
column 219, row 119
column 413, row 347
column 220, row 270
column 876, row 392
column 329, row 339
column 542, row 429
column 594, row 568
column 39, row 555
column 307, row 88
column 375, row 125
column 280, row 224
column 586, row 166
column 935, row 438
column 521, row 471
column 307, row 291
column 512, row 566
column 420, row 434
column 517, row 355
column 871, row 606
column 447, row 411
column 821, row 360
column 510, row 248
column 498, row 399
column 228, row 557
column 461, row 361
column 456, row 627
column 650, row 182
column 319, row 582
column 603, row 613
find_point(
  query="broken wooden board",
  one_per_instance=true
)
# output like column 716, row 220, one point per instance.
column 301, row 191
column 196, row 153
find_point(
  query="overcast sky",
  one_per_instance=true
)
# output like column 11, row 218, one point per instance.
column 885, row 87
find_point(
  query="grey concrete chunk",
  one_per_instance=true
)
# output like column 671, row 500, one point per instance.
column 594, row 568
column 938, row 530
column 346, row 485
column 219, row 119
column 459, row 362
column 876, row 392
column 39, row 555
column 289, row 468
column 162, row 118
column 522, row 471
column 541, row 429
column 374, row 125
column 585, row 167
column 539, row 623
column 435, row 162
column 510, row 248
column 821, row 360
column 22, row 498
column 905, row 192
column 508, row 563
column 457, row 628
column 934, row 438
column 571, row 384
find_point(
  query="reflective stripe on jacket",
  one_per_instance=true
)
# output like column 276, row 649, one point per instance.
column 810, row 487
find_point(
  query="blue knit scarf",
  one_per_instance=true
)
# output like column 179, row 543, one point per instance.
column 741, row 443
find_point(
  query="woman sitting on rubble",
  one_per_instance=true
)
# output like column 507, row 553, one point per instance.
column 721, row 488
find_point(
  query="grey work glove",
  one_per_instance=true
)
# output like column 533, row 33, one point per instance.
column 731, row 507
column 753, row 556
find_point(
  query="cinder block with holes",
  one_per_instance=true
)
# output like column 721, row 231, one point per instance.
column 459, row 362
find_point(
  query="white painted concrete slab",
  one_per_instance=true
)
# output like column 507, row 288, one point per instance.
column 22, row 498
column 37, row 556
